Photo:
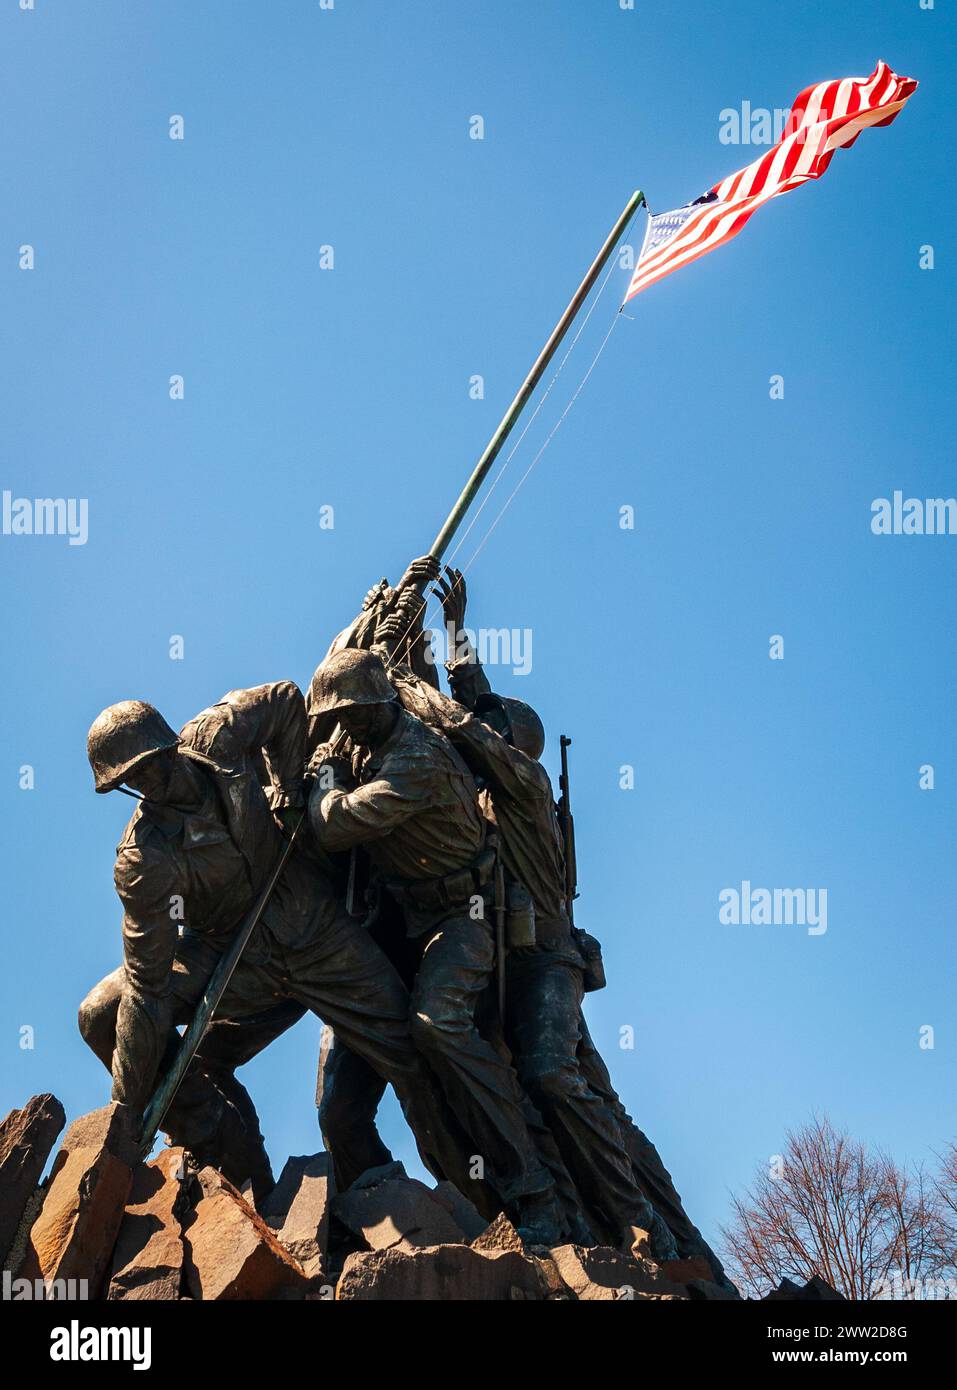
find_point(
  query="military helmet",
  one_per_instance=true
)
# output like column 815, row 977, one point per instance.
column 526, row 732
column 123, row 736
column 349, row 677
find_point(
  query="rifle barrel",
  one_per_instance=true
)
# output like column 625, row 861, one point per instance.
column 163, row 1097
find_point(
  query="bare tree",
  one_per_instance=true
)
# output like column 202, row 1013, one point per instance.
column 833, row 1208
column 946, row 1191
column 947, row 1182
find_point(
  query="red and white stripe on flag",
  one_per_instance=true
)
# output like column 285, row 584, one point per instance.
column 823, row 119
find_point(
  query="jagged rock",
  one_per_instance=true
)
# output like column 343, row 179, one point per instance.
column 19, row 1247
column 499, row 1235
column 601, row 1273
column 297, row 1210
column 698, row 1277
column 641, row 1244
column 26, row 1138
column 230, row 1251
column 819, row 1290
column 148, row 1258
column 684, row 1271
column 372, row 1176
column 711, row 1292
column 556, row 1290
column 394, row 1213
column 816, row 1290
column 74, row 1234
column 463, row 1212
column 440, row 1273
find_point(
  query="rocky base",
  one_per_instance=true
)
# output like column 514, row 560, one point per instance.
column 122, row 1229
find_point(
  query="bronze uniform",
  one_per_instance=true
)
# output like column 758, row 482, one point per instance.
column 416, row 814
column 306, row 953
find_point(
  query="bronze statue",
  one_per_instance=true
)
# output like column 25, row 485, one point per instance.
column 414, row 808
column 617, row 1169
column 203, row 839
column 443, row 805
column 618, row 1175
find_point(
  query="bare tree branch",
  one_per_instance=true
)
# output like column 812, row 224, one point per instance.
column 868, row 1227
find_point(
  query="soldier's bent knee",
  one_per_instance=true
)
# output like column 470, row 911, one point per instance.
column 336, row 1115
column 547, row 1080
column 438, row 1031
column 96, row 1016
column 93, row 1020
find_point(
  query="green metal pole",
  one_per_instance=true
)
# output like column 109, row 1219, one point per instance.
column 479, row 473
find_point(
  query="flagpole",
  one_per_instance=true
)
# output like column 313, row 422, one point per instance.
column 490, row 453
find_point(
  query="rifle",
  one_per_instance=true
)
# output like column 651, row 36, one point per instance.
column 499, row 881
column 568, row 833
column 163, row 1097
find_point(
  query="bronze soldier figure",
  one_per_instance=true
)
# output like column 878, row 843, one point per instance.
column 544, row 976
column 501, row 740
column 414, row 808
column 205, row 838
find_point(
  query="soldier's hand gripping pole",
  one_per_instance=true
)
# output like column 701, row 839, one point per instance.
column 156, row 1110
column 467, row 496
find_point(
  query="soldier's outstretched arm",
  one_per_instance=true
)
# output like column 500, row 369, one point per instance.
column 380, row 600
column 341, row 819
column 467, row 679
column 401, row 640
column 399, row 634
column 492, row 757
column 271, row 717
column 145, row 1019
column 360, row 633
column 487, row 754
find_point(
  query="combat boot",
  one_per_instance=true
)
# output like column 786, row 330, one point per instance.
column 218, row 1135
column 537, row 1218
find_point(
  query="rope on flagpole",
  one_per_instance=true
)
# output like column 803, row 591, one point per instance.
column 518, row 486
column 544, row 397
column 551, row 435
column 433, row 613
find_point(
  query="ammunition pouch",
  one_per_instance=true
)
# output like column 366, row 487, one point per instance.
column 451, row 891
column 590, row 948
column 520, row 930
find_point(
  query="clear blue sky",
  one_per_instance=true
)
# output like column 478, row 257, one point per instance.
column 349, row 388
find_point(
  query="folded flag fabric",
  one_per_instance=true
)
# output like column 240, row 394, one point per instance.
column 823, row 119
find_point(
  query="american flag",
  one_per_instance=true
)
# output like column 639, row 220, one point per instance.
column 823, row 119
